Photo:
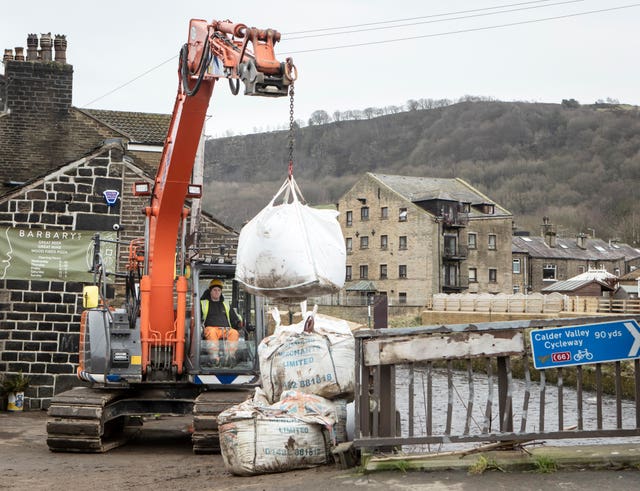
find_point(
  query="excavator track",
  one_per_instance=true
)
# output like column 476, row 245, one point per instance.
column 80, row 420
column 207, row 407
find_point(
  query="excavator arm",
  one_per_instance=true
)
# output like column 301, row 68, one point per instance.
column 220, row 49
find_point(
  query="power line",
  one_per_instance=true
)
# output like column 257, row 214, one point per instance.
column 461, row 31
column 424, row 17
column 132, row 80
column 387, row 41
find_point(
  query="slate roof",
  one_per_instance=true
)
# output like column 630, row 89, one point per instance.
column 141, row 128
column 632, row 276
column 417, row 189
column 596, row 249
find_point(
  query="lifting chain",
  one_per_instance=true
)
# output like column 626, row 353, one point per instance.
column 291, row 73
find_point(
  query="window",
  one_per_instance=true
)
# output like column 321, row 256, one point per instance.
column 384, row 213
column 581, row 269
column 364, row 272
column 364, row 213
column 516, row 289
column 450, row 242
column 349, row 244
column 349, row 218
column 383, row 271
column 493, row 275
column 472, row 241
column 516, row 266
column 402, row 243
column 402, row 215
column 364, row 242
column 347, row 275
column 549, row 272
column 473, row 275
column 402, row 298
column 402, row 271
column 384, row 242
column 492, row 242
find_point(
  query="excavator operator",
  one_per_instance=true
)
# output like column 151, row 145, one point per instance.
column 221, row 324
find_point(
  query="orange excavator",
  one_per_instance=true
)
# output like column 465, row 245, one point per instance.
column 150, row 356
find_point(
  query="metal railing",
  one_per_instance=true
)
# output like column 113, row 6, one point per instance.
column 457, row 252
column 417, row 387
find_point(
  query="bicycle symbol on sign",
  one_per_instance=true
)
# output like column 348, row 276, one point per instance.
column 583, row 354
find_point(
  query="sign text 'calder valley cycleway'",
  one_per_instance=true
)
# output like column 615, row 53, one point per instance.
column 590, row 343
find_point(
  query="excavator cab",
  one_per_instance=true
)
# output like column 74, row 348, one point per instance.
column 232, row 350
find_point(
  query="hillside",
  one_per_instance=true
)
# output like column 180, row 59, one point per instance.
column 579, row 165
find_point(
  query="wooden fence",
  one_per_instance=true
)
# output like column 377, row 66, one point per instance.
column 533, row 303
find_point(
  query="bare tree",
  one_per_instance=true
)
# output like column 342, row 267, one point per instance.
column 319, row 117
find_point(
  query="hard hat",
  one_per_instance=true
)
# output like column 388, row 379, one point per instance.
column 216, row 282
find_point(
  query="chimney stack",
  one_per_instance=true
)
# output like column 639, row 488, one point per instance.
column 581, row 240
column 548, row 232
column 38, row 86
column 44, row 54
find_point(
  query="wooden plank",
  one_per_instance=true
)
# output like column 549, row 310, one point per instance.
column 427, row 347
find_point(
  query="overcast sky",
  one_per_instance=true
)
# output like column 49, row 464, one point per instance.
column 455, row 48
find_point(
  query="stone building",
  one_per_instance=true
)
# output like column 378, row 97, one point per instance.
column 539, row 261
column 411, row 237
column 66, row 171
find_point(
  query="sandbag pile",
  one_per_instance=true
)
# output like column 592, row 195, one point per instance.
column 300, row 412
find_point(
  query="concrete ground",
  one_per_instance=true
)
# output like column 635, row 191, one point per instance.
column 161, row 458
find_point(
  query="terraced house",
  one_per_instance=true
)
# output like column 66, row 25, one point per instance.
column 65, row 173
column 411, row 237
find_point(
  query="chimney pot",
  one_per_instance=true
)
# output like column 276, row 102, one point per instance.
column 32, row 47
column 60, row 47
column 19, row 53
column 45, row 46
column 8, row 54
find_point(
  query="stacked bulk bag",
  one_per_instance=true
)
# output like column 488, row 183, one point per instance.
column 290, row 250
column 300, row 412
column 315, row 356
column 294, row 433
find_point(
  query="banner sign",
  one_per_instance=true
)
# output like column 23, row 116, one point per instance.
column 64, row 255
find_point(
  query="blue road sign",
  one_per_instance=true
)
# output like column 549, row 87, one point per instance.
column 590, row 343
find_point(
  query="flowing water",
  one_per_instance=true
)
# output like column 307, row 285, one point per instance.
column 459, row 399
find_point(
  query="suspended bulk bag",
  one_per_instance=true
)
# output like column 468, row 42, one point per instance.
column 293, row 434
column 290, row 250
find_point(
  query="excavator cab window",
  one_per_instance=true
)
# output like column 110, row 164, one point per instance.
column 227, row 348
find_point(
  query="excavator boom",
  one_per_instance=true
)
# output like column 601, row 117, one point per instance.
column 220, row 49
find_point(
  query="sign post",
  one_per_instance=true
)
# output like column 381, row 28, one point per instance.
column 590, row 343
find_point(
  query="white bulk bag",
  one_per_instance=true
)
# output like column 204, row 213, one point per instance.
column 292, row 434
column 291, row 250
column 320, row 362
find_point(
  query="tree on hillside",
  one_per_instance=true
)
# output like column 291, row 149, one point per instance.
column 319, row 117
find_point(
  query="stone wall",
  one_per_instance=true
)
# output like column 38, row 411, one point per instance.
column 39, row 319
